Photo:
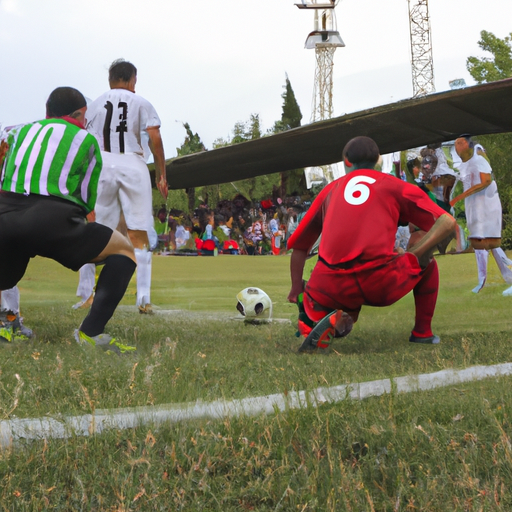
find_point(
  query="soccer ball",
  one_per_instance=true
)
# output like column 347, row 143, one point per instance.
column 254, row 304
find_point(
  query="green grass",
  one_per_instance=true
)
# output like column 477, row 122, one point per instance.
column 442, row 450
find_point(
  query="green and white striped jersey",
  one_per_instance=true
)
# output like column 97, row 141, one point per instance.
column 53, row 158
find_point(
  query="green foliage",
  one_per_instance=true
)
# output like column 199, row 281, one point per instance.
column 175, row 199
column 192, row 144
column 293, row 182
column 244, row 131
column 255, row 189
column 291, row 116
column 491, row 69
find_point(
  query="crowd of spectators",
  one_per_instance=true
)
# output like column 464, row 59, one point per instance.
column 236, row 226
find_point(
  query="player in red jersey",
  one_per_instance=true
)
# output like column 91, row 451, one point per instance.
column 357, row 216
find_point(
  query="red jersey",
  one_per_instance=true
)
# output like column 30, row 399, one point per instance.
column 358, row 215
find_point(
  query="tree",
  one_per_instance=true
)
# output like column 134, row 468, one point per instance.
column 291, row 116
column 491, row 69
column 291, row 181
column 255, row 189
column 249, row 130
column 192, row 144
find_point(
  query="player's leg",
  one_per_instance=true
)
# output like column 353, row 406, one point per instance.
column 482, row 246
column 13, row 264
column 136, row 202
column 68, row 239
column 10, row 305
column 502, row 255
column 501, row 260
column 10, row 299
column 12, row 269
column 425, row 298
column 119, row 265
column 143, row 256
column 108, row 206
column 386, row 285
column 337, row 324
column 85, row 289
column 482, row 257
column 325, row 322
column 107, row 212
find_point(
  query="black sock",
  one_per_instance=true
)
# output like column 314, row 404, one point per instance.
column 112, row 284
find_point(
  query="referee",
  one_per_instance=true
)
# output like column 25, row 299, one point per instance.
column 50, row 176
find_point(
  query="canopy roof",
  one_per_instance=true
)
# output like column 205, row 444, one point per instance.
column 477, row 110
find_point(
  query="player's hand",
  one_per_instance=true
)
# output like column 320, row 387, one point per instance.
column 295, row 292
column 163, row 187
column 292, row 297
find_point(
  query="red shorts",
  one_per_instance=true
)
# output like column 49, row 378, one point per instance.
column 330, row 289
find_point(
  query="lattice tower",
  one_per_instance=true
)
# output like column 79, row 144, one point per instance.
column 324, row 39
column 421, row 48
column 322, row 107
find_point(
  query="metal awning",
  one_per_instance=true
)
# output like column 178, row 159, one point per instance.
column 478, row 110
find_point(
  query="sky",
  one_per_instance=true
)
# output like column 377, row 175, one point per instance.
column 214, row 63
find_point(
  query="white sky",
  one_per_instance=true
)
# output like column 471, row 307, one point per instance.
column 213, row 63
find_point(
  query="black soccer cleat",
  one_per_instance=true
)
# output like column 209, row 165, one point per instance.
column 432, row 340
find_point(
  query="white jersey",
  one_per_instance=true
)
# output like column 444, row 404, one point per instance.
column 119, row 120
column 483, row 209
column 442, row 168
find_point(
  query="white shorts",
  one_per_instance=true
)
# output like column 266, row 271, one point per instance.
column 124, row 186
column 484, row 213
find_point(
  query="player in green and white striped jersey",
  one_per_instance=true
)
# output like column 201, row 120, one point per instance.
column 53, row 157
column 49, row 184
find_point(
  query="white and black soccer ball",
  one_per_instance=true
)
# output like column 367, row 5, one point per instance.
column 254, row 304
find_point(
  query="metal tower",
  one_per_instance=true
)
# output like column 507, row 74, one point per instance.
column 421, row 48
column 324, row 40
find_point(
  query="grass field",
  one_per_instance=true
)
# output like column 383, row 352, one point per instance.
column 448, row 449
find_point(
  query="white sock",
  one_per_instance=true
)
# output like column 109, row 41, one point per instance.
column 143, row 257
column 86, row 282
column 11, row 299
column 462, row 243
column 501, row 253
column 482, row 256
column 501, row 259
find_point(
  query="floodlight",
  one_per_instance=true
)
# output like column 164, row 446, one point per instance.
column 317, row 38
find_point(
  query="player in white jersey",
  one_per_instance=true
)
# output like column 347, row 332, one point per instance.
column 483, row 209
column 124, row 123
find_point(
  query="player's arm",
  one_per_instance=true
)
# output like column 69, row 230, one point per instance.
column 297, row 262
column 157, row 148
column 302, row 241
column 424, row 248
column 485, row 181
column 4, row 147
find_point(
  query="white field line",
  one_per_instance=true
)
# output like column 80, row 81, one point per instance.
column 89, row 424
